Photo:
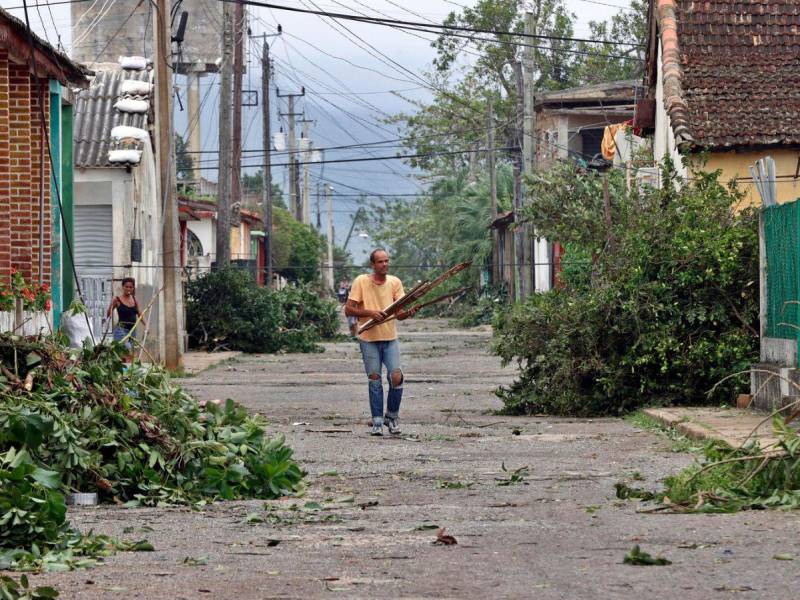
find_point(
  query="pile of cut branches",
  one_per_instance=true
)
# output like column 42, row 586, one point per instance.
column 80, row 421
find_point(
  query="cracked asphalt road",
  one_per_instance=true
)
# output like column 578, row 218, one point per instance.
column 366, row 527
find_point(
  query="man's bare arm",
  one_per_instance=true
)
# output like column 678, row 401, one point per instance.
column 354, row 309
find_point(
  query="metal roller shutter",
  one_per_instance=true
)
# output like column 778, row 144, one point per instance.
column 94, row 251
column 94, row 242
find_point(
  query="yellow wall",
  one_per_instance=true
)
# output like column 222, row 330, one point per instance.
column 236, row 242
column 736, row 166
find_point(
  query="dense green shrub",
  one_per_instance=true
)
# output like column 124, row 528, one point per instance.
column 226, row 309
column 656, row 309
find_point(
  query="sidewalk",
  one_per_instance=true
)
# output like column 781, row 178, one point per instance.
column 196, row 362
column 730, row 425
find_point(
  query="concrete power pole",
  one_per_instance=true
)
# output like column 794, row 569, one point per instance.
column 496, row 274
column 223, row 250
column 172, row 307
column 529, row 123
column 266, row 139
column 296, row 206
column 529, row 148
column 238, row 69
column 329, row 270
column 519, row 235
column 306, row 156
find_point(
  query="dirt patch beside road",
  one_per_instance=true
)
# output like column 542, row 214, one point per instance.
column 367, row 524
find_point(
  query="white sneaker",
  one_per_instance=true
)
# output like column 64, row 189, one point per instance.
column 393, row 425
column 377, row 429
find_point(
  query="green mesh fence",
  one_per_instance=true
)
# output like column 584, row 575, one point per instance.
column 783, row 287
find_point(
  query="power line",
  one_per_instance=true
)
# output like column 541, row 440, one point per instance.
column 402, row 23
column 378, row 158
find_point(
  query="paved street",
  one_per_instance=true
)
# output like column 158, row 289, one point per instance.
column 365, row 528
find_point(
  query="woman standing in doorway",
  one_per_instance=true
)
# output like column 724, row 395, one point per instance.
column 127, row 314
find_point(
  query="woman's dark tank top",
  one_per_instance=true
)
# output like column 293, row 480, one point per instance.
column 127, row 315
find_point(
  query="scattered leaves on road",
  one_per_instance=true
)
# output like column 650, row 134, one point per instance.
column 637, row 556
column 516, row 476
column 444, row 539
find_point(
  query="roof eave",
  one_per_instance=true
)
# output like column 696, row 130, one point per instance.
column 50, row 63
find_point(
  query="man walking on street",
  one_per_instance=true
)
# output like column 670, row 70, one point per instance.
column 370, row 294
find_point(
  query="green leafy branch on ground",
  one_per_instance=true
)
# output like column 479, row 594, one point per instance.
column 727, row 479
column 13, row 590
column 80, row 420
column 637, row 556
column 749, row 477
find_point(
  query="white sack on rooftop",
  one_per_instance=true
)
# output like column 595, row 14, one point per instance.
column 132, row 106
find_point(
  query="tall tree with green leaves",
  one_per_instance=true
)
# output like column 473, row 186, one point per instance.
column 184, row 163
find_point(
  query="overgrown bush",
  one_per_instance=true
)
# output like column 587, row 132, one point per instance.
column 79, row 421
column 655, row 309
column 226, row 309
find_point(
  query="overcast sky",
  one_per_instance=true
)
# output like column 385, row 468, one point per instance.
column 348, row 84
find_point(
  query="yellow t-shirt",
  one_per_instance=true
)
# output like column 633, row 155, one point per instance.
column 373, row 296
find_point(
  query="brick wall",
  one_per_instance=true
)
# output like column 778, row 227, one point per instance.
column 20, row 169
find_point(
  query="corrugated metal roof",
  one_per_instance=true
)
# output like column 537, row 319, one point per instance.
column 95, row 117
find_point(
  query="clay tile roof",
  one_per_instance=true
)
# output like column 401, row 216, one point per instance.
column 731, row 71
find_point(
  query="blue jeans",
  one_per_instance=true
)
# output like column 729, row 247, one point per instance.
column 119, row 335
column 375, row 355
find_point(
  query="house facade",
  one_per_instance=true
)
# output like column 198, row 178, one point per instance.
column 199, row 238
column 35, row 173
column 571, row 123
column 117, row 219
column 724, row 77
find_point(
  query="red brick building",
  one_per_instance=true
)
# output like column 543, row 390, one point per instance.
column 26, row 185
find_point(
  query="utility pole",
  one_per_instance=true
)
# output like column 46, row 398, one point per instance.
column 223, row 250
column 172, row 308
column 529, row 150
column 352, row 227
column 266, row 139
column 319, row 214
column 306, row 156
column 329, row 271
column 529, row 124
column 238, row 68
column 519, row 235
column 496, row 274
column 294, row 184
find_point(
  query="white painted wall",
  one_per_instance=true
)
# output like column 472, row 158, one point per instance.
column 206, row 233
column 136, row 212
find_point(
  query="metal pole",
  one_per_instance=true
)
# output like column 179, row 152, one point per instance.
column 172, row 308
column 223, row 250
